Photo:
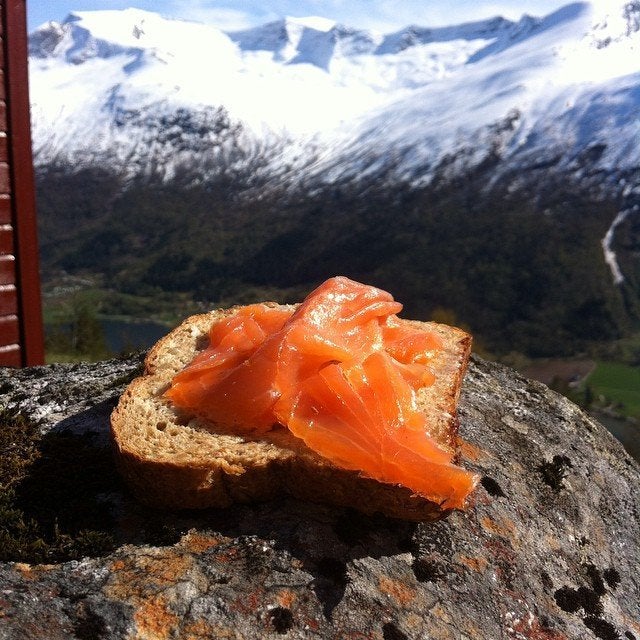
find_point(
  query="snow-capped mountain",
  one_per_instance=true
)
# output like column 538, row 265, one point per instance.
column 489, row 169
column 147, row 94
column 541, row 91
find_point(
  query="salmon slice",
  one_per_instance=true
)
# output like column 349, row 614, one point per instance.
column 340, row 372
column 212, row 384
column 346, row 415
column 406, row 344
column 256, row 358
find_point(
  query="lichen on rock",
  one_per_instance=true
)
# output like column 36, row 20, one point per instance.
column 548, row 551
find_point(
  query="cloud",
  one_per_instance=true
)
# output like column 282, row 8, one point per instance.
column 389, row 15
column 380, row 15
column 222, row 17
column 228, row 16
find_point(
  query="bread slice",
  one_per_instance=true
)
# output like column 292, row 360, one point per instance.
column 171, row 459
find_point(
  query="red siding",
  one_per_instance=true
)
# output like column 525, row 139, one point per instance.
column 10, row 328
column 7, row 269
column 21, row 334
column 5, row 178
column 11, row 355
column 5, row 208
column 8, row 300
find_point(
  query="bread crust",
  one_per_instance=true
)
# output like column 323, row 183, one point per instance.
column 171, row 459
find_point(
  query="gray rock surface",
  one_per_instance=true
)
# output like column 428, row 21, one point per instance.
column 549, row 550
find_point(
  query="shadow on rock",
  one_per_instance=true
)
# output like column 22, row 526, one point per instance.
column 324, row 540
column 71, row 503
column 67, row 500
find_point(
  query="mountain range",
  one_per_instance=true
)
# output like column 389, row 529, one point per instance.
column 489, row 170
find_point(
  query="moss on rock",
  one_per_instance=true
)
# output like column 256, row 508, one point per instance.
column 50, row 487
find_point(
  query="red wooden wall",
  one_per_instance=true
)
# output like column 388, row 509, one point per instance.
column 21, row 333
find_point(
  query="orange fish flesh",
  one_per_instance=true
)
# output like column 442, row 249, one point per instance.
column 340, row 372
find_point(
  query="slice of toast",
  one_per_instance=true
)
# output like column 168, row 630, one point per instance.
column 171, row 459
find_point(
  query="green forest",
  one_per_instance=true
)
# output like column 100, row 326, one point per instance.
column 523, row 271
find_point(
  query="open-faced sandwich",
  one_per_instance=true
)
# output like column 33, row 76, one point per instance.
column 334, row 400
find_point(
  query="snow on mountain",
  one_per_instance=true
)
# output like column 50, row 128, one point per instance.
column 544, row 89
column 145, row 93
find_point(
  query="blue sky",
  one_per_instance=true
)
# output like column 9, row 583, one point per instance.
column 384, row 15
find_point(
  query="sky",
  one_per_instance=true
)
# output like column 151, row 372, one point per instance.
column 380, row 15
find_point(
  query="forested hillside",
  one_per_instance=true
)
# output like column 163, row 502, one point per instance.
column 486, row 173
column 523, row 272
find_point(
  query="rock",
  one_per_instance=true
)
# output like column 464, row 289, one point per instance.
column 548, row 551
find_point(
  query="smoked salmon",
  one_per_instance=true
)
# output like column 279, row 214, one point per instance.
column 341, row 372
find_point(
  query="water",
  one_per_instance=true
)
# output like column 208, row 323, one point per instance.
column 626, row 431
column 123, row 336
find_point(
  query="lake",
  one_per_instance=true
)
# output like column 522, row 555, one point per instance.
column 123, row 336
column 626, row 431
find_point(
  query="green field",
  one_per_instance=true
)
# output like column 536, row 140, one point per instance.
column 616, row 384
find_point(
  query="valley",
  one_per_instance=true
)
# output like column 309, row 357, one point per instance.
column 603, row 380
column 487, row 174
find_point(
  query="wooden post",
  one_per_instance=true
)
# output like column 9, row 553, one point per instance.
column 21, row 330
